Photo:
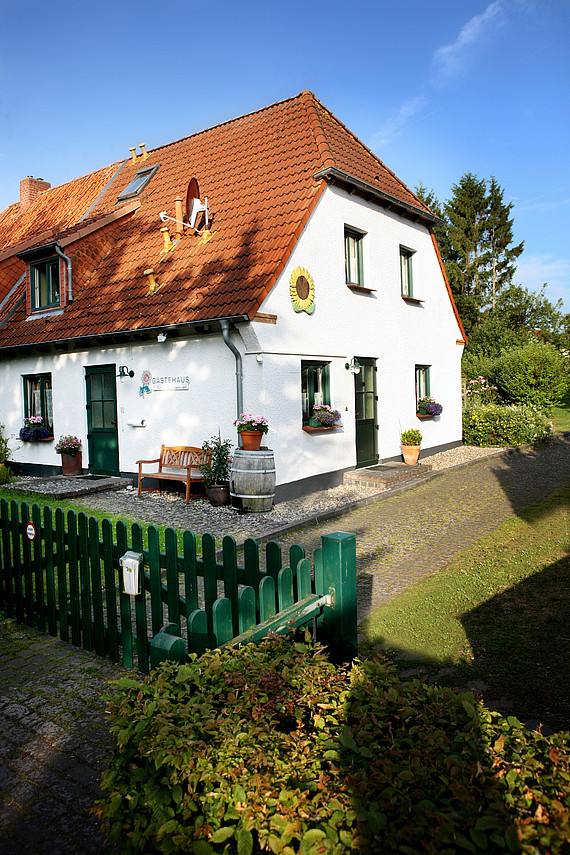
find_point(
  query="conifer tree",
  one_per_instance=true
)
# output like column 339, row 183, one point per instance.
column 500, row 238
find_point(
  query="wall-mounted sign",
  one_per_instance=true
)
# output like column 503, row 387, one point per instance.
column 302, row 290
column 163, row 383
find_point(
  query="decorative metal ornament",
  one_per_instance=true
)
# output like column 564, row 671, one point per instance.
column 302, row 290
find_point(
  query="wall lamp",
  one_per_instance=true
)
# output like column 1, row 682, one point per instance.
column 353, row 366
column 161, row 337
column 124, row 372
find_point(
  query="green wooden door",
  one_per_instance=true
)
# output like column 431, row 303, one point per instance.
column 102, row 434
column 365, row 409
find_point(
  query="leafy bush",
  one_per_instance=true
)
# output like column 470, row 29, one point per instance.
column 411, row 437
column 473, row 366
column 497, row 425
column 535, row 374
column 4, row 447
column 271, row 748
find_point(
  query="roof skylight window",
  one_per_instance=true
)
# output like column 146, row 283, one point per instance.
column 138, row 183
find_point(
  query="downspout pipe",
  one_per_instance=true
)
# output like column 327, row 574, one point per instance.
column 225, row 325
column 67, row 260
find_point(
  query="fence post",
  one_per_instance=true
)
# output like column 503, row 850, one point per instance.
column 339, row 580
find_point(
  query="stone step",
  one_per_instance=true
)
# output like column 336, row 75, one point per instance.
column 387, row 475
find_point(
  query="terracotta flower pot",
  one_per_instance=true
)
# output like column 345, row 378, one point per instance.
column 72, row 464
column 251, row 439
column 411, row 454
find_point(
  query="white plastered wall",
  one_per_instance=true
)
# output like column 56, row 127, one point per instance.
column 345, row 324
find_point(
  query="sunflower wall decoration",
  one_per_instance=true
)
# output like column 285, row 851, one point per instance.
column 302, row 290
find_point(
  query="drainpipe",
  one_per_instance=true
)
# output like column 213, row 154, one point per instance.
column 67, row 260
column 239, row 375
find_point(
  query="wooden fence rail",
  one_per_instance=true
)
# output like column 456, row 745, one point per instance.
column 61, row 572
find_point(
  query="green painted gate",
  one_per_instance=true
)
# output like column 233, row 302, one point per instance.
column 365, row 400
column 63, row 571
column 102, row 434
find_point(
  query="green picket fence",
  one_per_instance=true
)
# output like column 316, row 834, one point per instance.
column 61, row 572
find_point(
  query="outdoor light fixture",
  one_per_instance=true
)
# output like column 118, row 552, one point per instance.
column 353, row 366
column 161, row 337
column 124, row 371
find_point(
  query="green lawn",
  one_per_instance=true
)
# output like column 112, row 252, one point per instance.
column 75, row 505
column 499, row 614
column 561, row 414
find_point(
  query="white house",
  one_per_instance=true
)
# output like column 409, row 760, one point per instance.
column 132, row 314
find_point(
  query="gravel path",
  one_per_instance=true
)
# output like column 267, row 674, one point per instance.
column 199, row 516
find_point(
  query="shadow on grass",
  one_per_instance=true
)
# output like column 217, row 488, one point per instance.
column 520, row 644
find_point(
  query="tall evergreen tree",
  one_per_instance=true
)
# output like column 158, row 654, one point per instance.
column 500, row 238
column 469, row 257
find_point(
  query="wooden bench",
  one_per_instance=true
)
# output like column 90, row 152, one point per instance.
column 176, row 463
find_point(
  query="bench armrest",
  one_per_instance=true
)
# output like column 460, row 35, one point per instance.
column 157, row 460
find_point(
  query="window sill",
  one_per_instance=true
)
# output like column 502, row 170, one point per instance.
column 424, row 416
column 354, row 286
column 412, row 300
column 311, row 429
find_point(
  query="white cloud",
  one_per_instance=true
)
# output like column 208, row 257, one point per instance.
column 449, row 59
column 394, row 124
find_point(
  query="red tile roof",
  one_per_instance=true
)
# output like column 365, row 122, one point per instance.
column 258, row 173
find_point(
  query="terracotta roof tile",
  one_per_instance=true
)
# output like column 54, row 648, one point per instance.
column 258, row 173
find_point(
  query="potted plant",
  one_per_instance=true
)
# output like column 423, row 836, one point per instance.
column 428, row 406
column 34, row 429
column 71, row 458
column 411, row 441
column 324, row 416
column 216, row 469
column 251, row 429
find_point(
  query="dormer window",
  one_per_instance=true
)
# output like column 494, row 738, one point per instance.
column 44, row 280
column 138, row 183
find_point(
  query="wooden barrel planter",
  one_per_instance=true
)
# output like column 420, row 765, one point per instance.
column 252, row 480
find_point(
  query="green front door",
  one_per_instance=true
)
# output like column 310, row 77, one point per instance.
column 365, row 409
column 102, row 435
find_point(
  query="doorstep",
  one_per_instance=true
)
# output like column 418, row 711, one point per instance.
column 387, row 475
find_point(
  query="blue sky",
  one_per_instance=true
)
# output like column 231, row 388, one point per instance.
column 435, row 89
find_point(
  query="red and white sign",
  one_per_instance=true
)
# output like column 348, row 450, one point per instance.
column 31, row 531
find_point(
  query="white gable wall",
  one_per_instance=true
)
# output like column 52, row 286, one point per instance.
column 345, row 324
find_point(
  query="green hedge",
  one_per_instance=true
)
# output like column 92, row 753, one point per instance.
column 498, row 425
column 536, row 374
column 272, row 748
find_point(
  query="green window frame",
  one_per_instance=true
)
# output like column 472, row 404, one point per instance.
column 315, row 386
column 44, row 284
column 422, row 382
column 38, row 400
column 406, row 273
column 353, row 257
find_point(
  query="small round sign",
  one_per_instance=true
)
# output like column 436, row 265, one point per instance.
column 31, row 531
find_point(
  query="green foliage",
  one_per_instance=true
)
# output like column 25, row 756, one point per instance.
column 271, row 748
column 411, row 437
column 217, row 469
column 5, row 474
column 535, row 374
column 499, row 425
column 4, row 448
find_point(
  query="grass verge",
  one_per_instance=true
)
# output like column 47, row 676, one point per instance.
column 75, row 505
column 561, row 414
column 499, row 615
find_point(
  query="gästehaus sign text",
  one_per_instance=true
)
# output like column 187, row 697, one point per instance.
column 163, row 382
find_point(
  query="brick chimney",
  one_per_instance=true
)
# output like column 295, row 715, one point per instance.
column 30, row 188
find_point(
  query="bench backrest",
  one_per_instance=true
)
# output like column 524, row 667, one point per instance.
column 180, row 456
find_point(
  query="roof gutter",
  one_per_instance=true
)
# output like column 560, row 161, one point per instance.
column 334, row 175
column 224, row 323
column 67, row 260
